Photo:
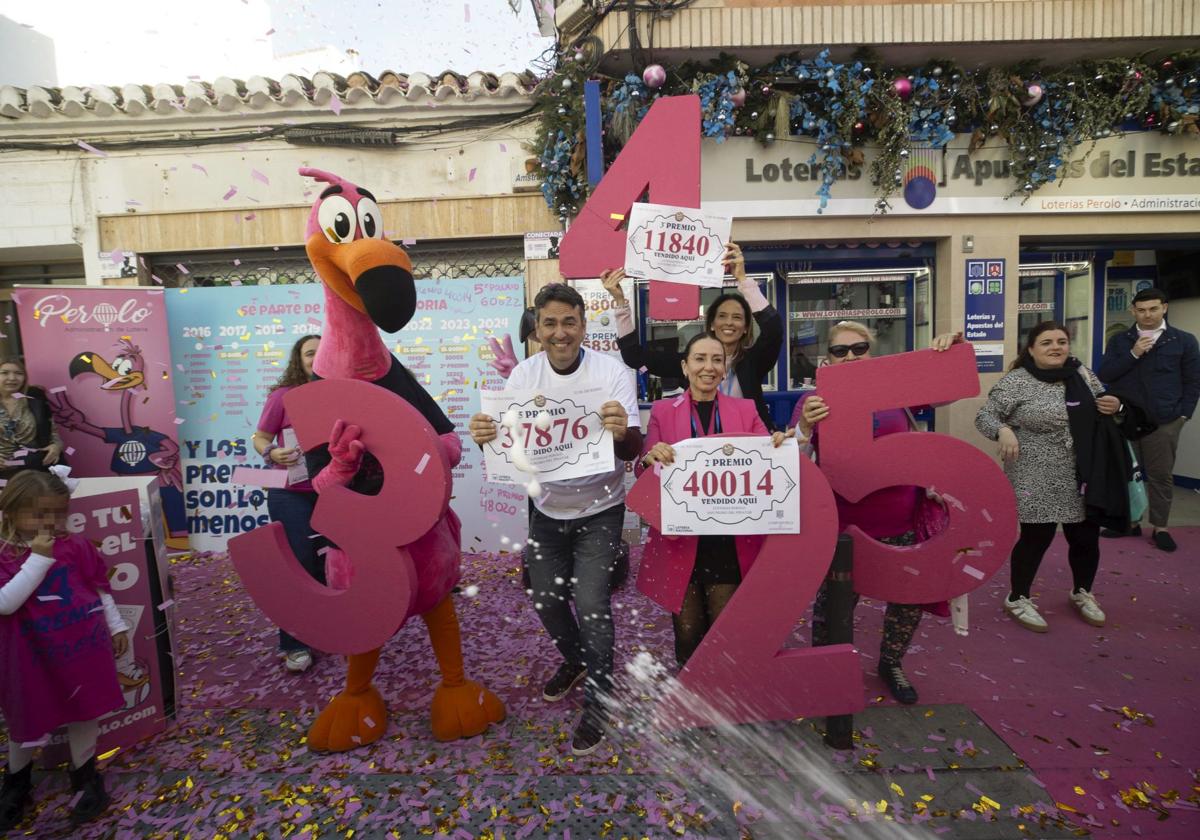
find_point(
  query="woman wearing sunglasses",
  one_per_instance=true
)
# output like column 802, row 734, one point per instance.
column 892, row 515
column 731, row 318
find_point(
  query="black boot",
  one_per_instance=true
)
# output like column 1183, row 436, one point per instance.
column 15, row 796
column 897, row 683
column 94, row 799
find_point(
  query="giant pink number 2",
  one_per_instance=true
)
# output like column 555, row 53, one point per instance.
column 740, row 673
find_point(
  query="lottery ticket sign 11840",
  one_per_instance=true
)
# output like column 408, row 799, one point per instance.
column 678, row 244
column 548, row 435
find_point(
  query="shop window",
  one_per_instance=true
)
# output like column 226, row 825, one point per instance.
column 895, row 303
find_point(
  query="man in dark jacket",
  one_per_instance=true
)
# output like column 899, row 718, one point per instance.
column 1161, row 364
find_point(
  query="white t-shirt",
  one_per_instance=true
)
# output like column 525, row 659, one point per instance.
column 579, row 497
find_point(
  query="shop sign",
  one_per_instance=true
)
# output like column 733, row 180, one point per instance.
column 1135, row 173
column 985, row 312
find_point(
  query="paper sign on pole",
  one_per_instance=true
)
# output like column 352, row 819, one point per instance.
column 559, row 434
column 679, row 244
column 731, row 485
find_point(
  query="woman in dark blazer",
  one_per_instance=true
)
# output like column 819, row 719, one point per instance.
column 730, row 318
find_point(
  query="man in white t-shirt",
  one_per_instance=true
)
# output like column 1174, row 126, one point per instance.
column 575, row 527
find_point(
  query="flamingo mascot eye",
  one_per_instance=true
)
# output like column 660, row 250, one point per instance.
column 370, row 220
column 337, row 219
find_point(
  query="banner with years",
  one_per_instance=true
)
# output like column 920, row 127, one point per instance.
column 229, row 345
column 558, row 436
column 678, row 244
column 731, row 485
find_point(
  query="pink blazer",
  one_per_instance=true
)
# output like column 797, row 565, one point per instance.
column 667, row 563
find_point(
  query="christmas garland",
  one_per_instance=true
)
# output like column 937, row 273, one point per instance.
column 1043, row 114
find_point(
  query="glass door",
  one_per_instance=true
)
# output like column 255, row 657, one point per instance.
column 1037, row 300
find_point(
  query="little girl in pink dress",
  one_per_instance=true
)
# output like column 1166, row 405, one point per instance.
column 60, row 632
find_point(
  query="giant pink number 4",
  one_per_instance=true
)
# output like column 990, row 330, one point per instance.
column 741, row 673
column 663, row 155
column 372, row 530
column 980, row 500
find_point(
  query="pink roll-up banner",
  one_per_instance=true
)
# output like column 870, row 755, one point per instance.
column 103, row 356
column 120, row 516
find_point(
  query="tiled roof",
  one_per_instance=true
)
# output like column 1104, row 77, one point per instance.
column 259, row 93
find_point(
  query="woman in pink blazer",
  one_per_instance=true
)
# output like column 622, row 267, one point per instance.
column 694, row 577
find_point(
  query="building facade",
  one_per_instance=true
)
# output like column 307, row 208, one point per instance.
column 1124, row 214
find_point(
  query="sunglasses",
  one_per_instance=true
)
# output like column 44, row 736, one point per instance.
column 839, row 351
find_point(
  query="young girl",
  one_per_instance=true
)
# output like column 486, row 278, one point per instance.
column 60, row 632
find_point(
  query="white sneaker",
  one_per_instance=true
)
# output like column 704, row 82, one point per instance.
column 1085, row 604
column 1026, row 614
column 298, row 661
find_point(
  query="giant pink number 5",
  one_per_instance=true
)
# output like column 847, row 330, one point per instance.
column 372, row 530
column 980, row 500
column 740, row 673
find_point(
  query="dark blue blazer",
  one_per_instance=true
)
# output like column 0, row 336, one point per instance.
column 1166, row 377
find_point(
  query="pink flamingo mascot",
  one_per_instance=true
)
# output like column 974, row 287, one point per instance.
column 369, row 286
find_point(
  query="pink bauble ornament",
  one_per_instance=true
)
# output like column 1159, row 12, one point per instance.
column 1033, row 95
column 903, row 88
column 738, row 97
column 654, row 76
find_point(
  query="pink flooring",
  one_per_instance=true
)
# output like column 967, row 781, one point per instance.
column 1104, row 717
column 1094, row 712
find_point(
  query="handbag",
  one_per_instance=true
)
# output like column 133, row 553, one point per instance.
column 1138, row 500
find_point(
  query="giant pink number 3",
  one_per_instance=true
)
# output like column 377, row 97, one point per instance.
column 663, row 155
column 980, row 500
column 740, row 673
column 372, row 530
